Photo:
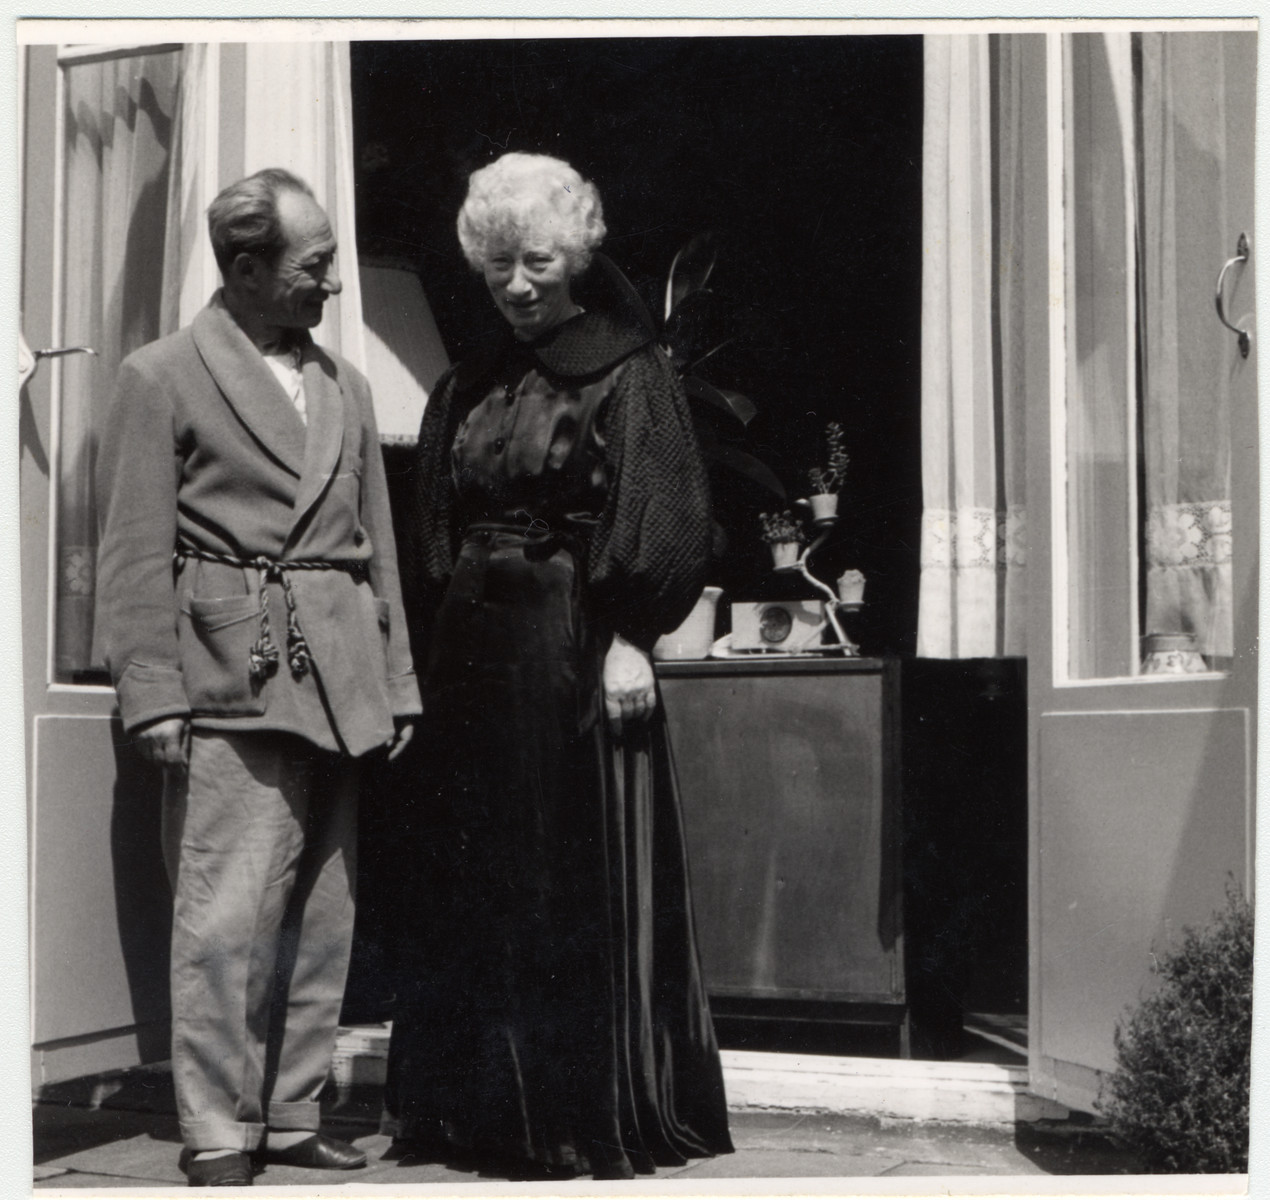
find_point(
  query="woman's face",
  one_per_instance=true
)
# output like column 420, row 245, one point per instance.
column 529, row 280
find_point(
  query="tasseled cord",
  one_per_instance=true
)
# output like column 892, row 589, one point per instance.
column 264, row 654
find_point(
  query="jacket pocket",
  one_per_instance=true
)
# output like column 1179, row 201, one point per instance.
column 216, row 644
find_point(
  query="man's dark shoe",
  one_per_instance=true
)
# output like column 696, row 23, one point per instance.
column 318, row 1152
column 226, row 1170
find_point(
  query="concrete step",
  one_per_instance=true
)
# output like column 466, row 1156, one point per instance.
column 969, row 1093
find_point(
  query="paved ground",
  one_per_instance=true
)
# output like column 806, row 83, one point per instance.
column 122, row 1134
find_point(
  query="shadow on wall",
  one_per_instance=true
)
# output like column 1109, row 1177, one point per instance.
column 143, row 899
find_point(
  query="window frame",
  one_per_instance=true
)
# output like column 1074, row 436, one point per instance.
column 1058, row 103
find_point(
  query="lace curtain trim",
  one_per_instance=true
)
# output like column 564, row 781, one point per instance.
column 1189, row 535
column 974, row 537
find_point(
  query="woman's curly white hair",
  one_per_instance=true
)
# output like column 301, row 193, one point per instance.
column 531, row 194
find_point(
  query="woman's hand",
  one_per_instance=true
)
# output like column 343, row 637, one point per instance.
column 629, row 691
column 403, row 731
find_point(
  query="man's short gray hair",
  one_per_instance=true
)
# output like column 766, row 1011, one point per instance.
column 522, row 193
column 243, row 219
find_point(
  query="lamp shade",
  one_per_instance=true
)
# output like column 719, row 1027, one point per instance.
column 404, row 354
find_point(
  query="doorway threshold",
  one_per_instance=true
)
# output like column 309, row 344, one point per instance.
column 960, row 1092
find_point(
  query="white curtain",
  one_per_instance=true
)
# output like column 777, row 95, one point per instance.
column 298, row 107
column 299, row 115
column 295, row 111
column 119, row 129
column 1101, row 504
column 190, row 275
column 1186, row 378
column 980, row 354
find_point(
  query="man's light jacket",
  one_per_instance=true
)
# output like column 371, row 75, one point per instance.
column 202, row 448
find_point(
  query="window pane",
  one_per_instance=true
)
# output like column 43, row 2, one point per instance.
column 119, row 127
column 1196, row 126
column 1155, row 124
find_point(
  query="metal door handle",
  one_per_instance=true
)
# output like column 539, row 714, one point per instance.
column 58, row 351
column 1241, row 255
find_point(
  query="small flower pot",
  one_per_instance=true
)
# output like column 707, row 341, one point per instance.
column 851, row 587
column 824, row 506
column 785, row 555
column 695, row 637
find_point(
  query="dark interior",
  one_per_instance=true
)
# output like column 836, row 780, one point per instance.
column 804, row 153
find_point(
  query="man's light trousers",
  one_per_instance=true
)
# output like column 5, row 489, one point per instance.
column 260, row 845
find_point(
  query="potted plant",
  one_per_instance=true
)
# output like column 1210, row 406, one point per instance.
column 825, row 481
column 683, row 332
column 783, row 532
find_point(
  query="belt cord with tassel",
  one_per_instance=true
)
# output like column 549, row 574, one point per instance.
column 264, row 653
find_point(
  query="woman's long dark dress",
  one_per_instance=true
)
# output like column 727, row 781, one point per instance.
column 552, row 1006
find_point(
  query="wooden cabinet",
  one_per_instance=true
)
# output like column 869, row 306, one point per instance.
column 856, row 834
column 788, row 772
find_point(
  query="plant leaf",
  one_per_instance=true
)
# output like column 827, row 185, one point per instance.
column 745, row 464
column 691, row 327
column 718, row 539
column 690, row 269
column 732, row 403
column 696, row 362
column 628, row 297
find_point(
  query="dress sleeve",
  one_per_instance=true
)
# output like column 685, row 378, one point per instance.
column 428, row 542
column 648, row 556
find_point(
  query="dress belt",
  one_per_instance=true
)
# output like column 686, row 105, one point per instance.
column 537, row 533
column 264, row 653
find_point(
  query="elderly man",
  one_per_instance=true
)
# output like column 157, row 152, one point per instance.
column 251, row 616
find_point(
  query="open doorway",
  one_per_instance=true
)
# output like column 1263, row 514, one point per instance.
column 805, row 154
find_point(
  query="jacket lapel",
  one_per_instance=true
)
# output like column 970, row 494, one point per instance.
column 324, row 408
column 249, row 386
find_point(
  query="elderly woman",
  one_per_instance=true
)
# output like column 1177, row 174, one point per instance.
column 552, row 1011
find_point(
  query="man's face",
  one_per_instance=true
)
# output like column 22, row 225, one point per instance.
column 293, row 290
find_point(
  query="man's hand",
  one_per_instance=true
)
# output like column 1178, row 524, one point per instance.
column 405, row 730
column 630, row 693
column 165, row 742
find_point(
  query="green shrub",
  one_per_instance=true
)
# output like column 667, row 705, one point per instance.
column 1179, row 1095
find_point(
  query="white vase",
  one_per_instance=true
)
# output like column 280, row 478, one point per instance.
column 1172, row 654
column 695, row 637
